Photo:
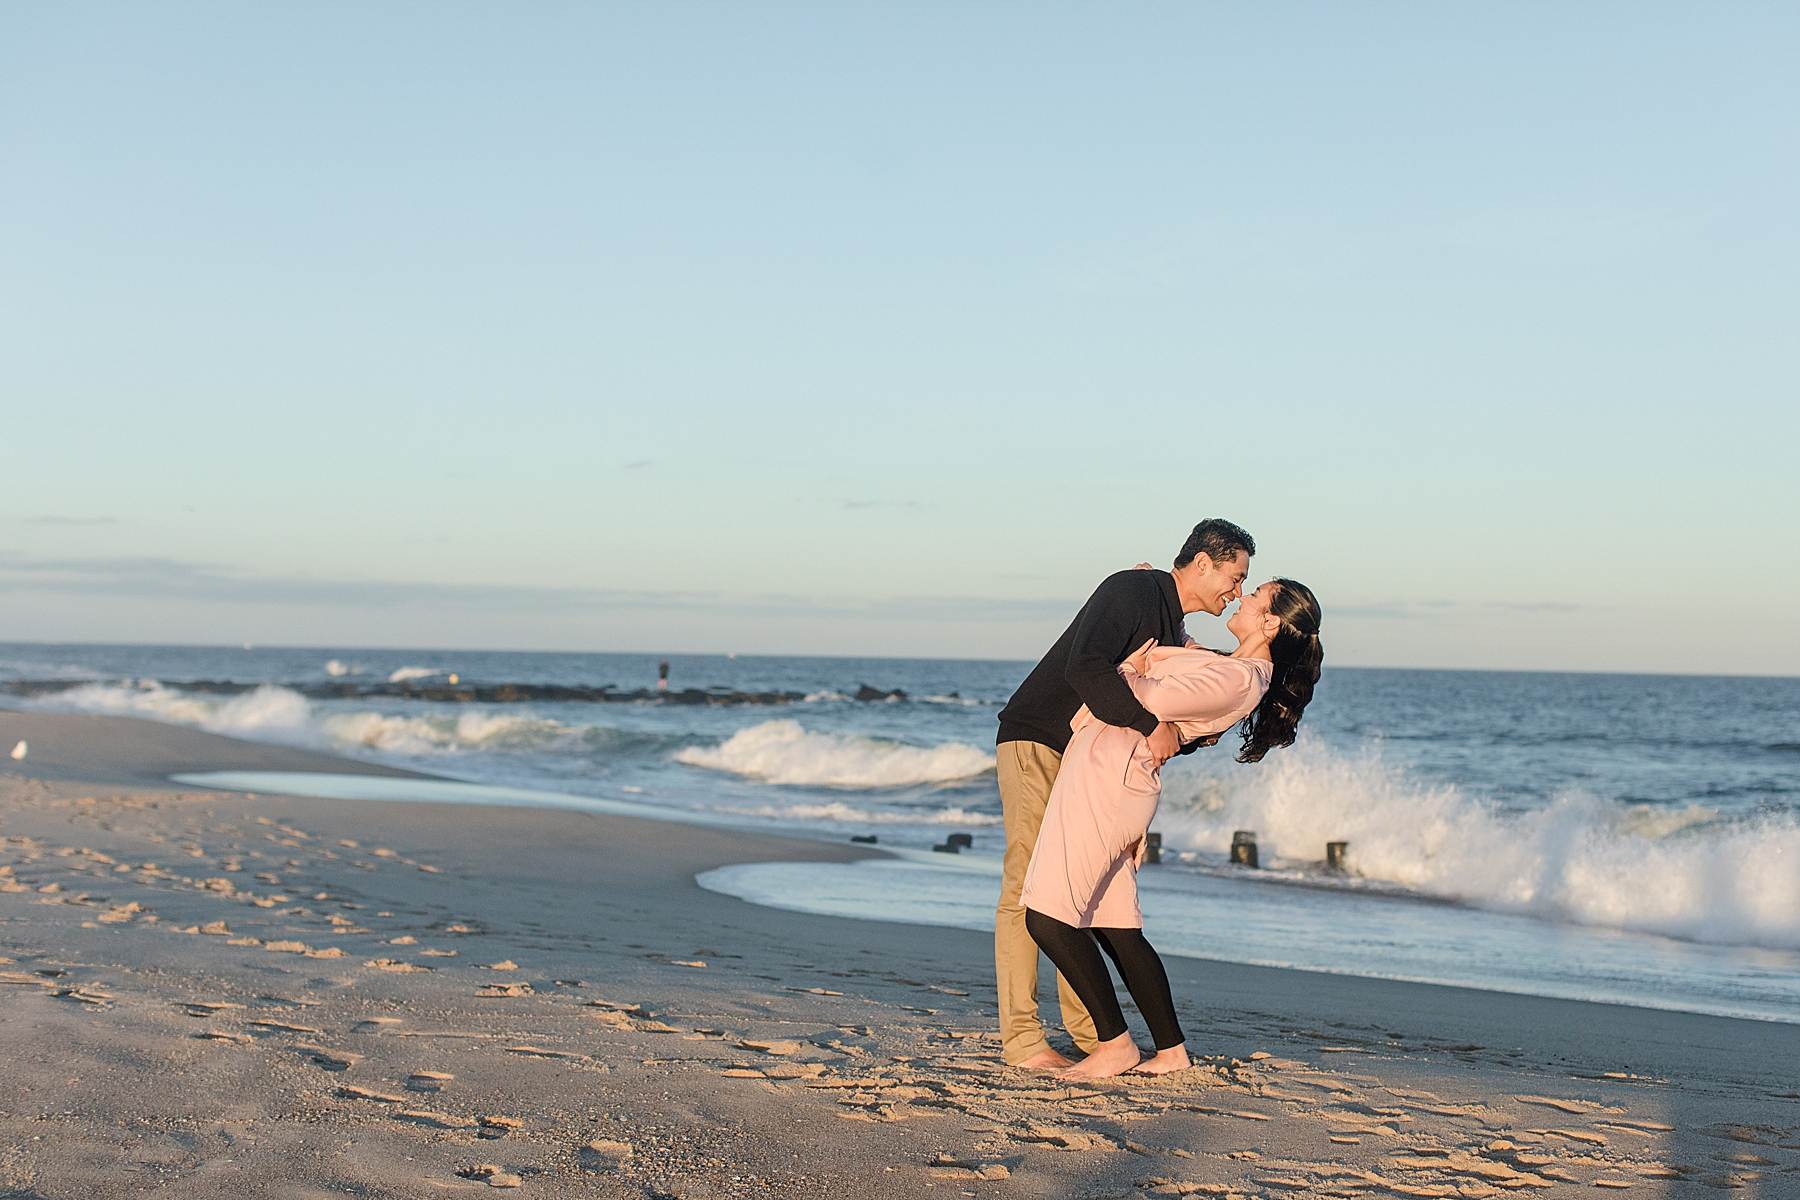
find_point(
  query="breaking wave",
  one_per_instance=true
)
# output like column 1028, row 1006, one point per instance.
column 1688, row 873
column 862, row 816
column 252, row 710
column 277, row 714
column 783, row 752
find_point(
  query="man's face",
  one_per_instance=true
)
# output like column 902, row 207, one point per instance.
column 1221, row 582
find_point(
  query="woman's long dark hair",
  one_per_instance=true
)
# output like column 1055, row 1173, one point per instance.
column 1297, row 655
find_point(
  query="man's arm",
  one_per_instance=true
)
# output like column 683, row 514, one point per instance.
column 1111, row 627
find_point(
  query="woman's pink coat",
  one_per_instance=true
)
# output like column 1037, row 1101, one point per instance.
column 1084, row 869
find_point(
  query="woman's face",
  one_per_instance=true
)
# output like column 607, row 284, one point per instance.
column 1252, row 613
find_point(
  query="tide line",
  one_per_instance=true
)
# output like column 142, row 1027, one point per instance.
column 322, row 785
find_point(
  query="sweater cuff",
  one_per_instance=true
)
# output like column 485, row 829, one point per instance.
column 1146, row 724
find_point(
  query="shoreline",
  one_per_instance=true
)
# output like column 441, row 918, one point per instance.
column 728, row 1078
column 1640, row 948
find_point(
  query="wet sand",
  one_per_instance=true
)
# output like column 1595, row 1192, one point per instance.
column 229, row 994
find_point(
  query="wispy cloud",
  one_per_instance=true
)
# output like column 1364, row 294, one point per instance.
column 164, row 578
column 1426, row 610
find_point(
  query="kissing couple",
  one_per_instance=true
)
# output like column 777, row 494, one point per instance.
column 1080, row 753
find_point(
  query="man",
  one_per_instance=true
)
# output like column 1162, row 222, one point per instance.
column 1125, row 611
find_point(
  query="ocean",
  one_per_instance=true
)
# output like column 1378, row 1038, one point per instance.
column 1623, row 838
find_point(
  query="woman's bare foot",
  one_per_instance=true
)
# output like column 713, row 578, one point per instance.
column 1108, row 1059
column 1046, row 1059
column 1175, row 1058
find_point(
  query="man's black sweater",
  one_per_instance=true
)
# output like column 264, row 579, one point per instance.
column 1125, row 611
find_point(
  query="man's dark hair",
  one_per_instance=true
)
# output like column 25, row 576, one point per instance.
column 1218, row 540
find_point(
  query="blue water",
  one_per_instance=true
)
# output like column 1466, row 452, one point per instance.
column 1623, row 837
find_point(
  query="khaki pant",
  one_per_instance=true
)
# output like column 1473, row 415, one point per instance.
column 1027, row 771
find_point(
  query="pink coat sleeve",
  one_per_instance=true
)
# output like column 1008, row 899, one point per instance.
column 1200, row 692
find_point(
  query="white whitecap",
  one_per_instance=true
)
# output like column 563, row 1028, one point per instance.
column 1684, row 873
column 271, row 713
column 783, row 752
column 862, row 816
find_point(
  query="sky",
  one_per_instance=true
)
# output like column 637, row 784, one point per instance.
column 892, row 329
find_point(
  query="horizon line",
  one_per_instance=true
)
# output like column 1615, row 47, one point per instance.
column 724, row 654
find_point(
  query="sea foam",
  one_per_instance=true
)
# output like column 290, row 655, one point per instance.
column 250, row 710
column 783, row 752
column 849, row 814
column 276, row 714
column 1685, row 873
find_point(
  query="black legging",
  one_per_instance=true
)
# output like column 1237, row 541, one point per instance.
column 1078, row 958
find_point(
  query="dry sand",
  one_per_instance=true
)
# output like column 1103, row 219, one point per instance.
column 224, row 994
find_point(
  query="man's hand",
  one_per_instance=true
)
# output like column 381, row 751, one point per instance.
column 1165, row 743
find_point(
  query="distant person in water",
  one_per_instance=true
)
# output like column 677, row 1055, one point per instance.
column 662, row 676
column 1080, row 892
column 1127, row 610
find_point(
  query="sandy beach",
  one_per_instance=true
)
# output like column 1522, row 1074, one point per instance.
column 231, row 994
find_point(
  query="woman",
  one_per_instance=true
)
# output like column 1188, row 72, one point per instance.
column 1080, row 892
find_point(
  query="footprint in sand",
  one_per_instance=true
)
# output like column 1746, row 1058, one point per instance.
column 630, row 1010
column 331, row 1060
column 205, row 1008
column 428, row 1081
column 794, row 1070
column 436, row 1120
column 620, row 1020
column 495, row 990
column 605, row 1154
column 775, row 1048
column 617, row 1020
column 498, row 1127
column 492, row 1175
column 948, row 1167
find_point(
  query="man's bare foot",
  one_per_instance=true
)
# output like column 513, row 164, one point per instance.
column 1175, row 1058
column 1108, row 1059
column 1046, row 1059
